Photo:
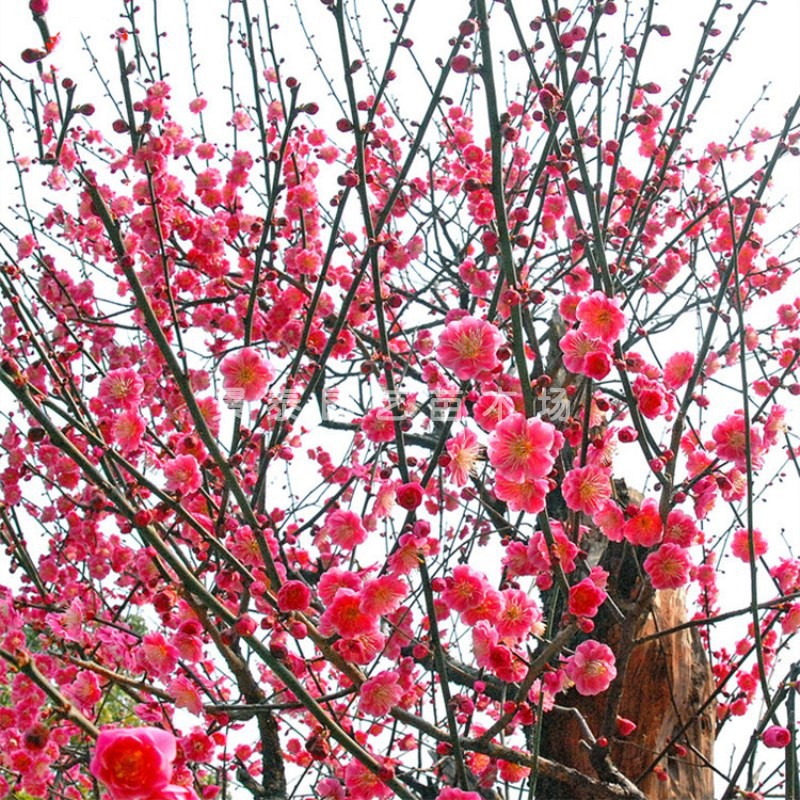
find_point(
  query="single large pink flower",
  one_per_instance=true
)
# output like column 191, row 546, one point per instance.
column 246, row 374
column 466, row 589
column 383, row 595
column 585, row 598
column 157, row 655
column 128, row 430
column 345, row 617
column 463, row 450
column 378, row 424
column 134, row 763
column 610, row 519
column 740, row 544
column 731, row 442
column 600, row 317
column 591, row 667
column 579, row 351
column 668, row 567
column 294, row 596
column 121, row 388
column 678, row 370
column 378, row 694
column 492, row 408
column 468, row 347
column 520, row 449
column 586, row 489
column 345, row 529
column 645, row 527
column 528, row 496
column 518, row 616
column 183, row 475
column 681, row 529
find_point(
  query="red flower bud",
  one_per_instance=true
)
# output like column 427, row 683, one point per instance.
column 31, row 55
column 142, row 518
column 461, row 63
column 294, row 596
column 627, row 435
column 245, row 625
column 409, row 495
column 776, row 736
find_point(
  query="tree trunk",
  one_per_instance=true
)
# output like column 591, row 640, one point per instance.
column 666, row 682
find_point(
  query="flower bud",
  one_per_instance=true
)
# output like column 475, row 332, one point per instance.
column 776, row 736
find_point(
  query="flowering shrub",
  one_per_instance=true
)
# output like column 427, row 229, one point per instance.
column 375, row 428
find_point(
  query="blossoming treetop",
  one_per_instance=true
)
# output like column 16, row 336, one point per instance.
column 358, row 454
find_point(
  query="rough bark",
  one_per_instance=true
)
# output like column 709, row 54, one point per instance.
column 666, row 682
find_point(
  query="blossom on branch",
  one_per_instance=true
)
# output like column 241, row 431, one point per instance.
column 247, row 371
column 591, row 667
column 468, row 347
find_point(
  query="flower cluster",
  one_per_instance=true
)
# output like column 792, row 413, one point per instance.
column 588, row 350
column 523, row 452
column 194, row 286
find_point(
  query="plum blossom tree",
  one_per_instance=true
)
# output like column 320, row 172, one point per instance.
column 385, row 431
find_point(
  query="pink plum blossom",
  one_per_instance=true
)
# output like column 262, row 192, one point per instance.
column 740, row 544
column 776, row 736
column 378, row 694
column 668, row 567
column 463, row 450
column 466, row 590
column 678, row 370
column 468, row 347
column 591, row 667
column 133, row 763
column 521, row 449
column 121, row 388
column 528, row 496
column 600, row 317
column 183, row 475
column 345, row 529
column 586, row 489
column 731, row 442
column 246, row 374
column 585, row 598
column 644, row 528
